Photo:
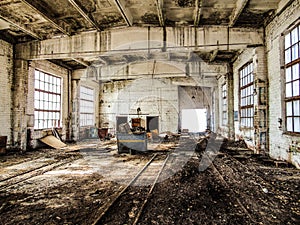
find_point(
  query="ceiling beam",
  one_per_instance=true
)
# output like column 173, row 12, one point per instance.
column 84, row 14
column 159, row 7
column 47, row 17
column 124, row 11
column 82, row 62
column 240, row 5
column 197, row 12
column 22, row 27
column 213, row 55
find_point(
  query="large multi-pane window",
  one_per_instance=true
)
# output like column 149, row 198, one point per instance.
column 47, row 100
column 246, row 95
column 224, row 104
column 87, row 108
column 292, row 80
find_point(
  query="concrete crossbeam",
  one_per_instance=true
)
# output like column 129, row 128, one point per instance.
column 136, row 39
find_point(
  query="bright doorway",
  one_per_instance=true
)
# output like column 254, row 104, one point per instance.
column 195, row 120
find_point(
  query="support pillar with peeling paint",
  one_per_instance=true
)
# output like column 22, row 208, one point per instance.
column 20, row 94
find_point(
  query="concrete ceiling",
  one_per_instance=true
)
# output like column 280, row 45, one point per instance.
column 26, row 20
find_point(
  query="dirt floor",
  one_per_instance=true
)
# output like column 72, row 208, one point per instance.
column 236, row 188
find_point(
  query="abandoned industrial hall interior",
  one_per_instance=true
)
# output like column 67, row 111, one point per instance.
column 150, row 112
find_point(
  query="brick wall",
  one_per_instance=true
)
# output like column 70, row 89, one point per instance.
column 50, row 68
column 154, row 97
column 6, row 79
column 245, row 57
column 222, row 128
column 279, row 141
column 256, row 137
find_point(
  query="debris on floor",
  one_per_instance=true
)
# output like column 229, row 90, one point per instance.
column 58, row 186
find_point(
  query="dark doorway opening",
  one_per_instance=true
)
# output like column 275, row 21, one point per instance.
column 152, row 123
column 120, row 120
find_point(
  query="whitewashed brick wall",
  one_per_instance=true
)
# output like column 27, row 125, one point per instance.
column 279, row 141
column 50, row 68
column 6, row 79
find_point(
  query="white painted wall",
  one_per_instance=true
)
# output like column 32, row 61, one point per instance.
column 279, row 140
column 6, row 82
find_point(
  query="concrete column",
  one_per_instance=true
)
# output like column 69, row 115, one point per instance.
column 75, row 110
column 230, row 105
column 20, row 96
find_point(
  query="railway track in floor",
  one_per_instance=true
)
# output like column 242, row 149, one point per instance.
column 30, row 173
column 134, row 195
column 231, row 172
column 224, row 180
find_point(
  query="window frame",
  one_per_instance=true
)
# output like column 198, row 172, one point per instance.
column 224, row 104
column 86, row 118
column 291, row 79
column 246, row 95
column 47, row 100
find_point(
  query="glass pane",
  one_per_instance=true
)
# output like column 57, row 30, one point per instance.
column 40, row 115
column 36, row 115
column 297, row 108
column 296, row 88
column 289, row 108
column 36, row 104
column 295, row 71
column 46, row 78
column 36, row 74
column 289, row 124
column 295, row 36
column 288, row 90
column 251, row 67
column 42, row 85
column 295, row 52
column 288, row 74
column 36, row 84
column 287, row 40
column 288, row 56
column 47, row 86
column 297, row 124
column 42, row 76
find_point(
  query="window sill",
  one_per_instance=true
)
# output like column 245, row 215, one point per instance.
column 291, row 134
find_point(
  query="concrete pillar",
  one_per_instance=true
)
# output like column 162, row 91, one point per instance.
column 20, row 95
column 75, row 110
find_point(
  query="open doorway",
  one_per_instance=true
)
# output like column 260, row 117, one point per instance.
column 120, row 120
column 195, row 120
column 152, row 123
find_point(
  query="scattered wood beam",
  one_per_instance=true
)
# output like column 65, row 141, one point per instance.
column 240, row 5
column 197, row 12
column 124, row 11
column 159, row 7
column 84, row 14
column 22, row 27
column 213, row 55
column 47, row 17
